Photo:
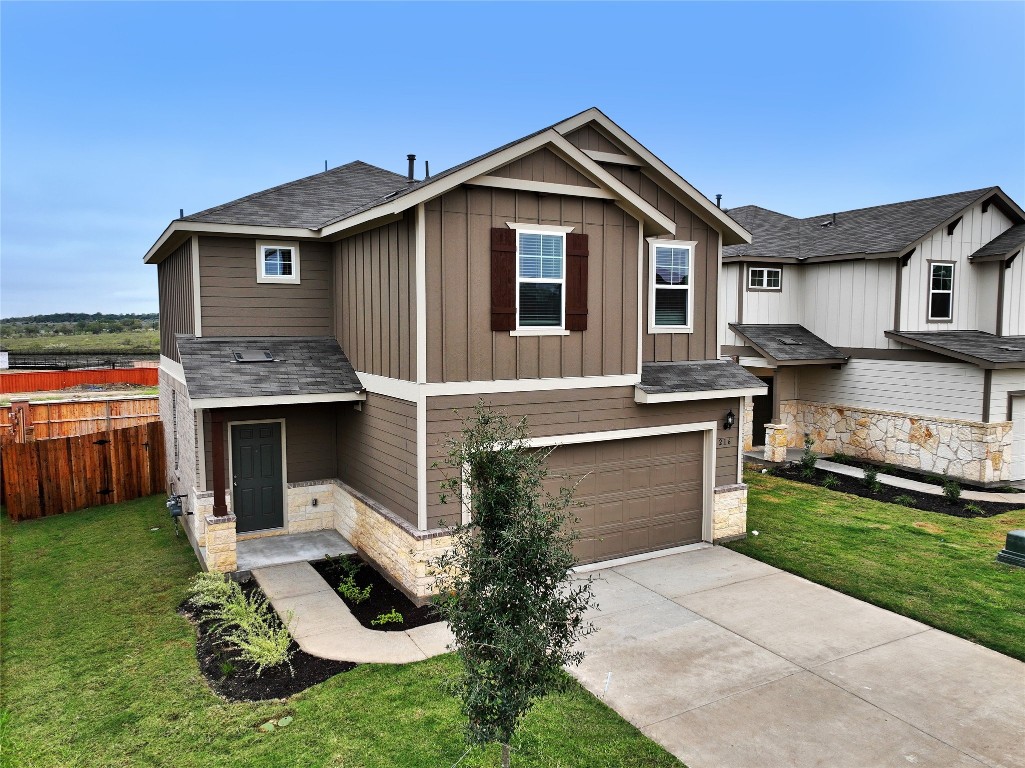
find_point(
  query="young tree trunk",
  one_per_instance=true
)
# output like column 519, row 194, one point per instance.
column 505, row 756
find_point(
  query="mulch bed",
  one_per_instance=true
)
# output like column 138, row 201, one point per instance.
column 382, row 599
column 887, row 493
column 236, row 680
column 910, row 474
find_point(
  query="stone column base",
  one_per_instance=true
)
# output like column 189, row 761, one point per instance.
column 220, row 544
column 776, row 443
column 729, row 512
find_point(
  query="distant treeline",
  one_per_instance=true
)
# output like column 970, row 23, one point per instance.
column 73, row 323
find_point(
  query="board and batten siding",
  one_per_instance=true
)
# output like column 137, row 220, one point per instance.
column 375, row 287
column 564, row 412
column 1014, row 297
column 948, row 390
column 592, row 138
column 1005, row 380
column 177, row 303
column 233, row 303
column 460, row 343
column 702, row 343
column 376, row 448
column 309, row 439
column 849, row 303
column 544, row 165
column 974, row 291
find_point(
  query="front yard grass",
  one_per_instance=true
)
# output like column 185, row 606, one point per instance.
column 934, row 568
column 99, row 670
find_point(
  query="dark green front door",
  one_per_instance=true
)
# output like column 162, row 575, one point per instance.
column 256, row 476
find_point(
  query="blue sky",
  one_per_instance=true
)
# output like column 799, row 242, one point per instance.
column 116, row 115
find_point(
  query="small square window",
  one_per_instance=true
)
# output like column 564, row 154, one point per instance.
column 277, row 263
column 765, row 279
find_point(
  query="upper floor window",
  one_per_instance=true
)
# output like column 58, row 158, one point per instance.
column 277, row 263
column 941, row 291
column 765, row 279
column 541, row 277
column 670, row 306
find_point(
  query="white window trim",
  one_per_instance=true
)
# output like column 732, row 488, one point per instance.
column 766, row 286
column 261, row 245
column 540, row 330
column 689, row 245
column 953, row 278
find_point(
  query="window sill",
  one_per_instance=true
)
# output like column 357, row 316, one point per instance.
column 669, row 329
column 279, row 280
column 540, row 332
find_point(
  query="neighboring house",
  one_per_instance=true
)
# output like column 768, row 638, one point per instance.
column 894, row 333
column 320, row 340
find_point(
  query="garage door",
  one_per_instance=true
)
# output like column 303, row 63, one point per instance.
column 637, row 495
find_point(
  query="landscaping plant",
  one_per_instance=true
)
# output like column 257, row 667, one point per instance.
column 347, row 568
column 808, row 457
column 952, row 490
column 904, row 500
column 872, row 479
column 210, row 590
column 391, row 617
column 504, row 585
column 830, row 482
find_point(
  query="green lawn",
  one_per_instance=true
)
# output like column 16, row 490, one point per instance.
column 938, row 569
column 147, row 340
column 99, row 670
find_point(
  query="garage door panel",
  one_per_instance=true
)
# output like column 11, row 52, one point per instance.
column 611, row 513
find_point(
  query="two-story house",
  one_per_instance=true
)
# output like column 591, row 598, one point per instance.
column 321, row 339
column 894, row 333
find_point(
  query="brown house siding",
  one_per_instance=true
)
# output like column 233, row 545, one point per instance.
column 561, row 413
column 375, row 282
column 234, row 304
column 174, row 283
column 377, row 452
column 544, row 165
column 460, row 346
column 702, row 343
column 309, row 439
column 589, row 137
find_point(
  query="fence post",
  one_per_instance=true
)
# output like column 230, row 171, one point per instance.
column 21, row 418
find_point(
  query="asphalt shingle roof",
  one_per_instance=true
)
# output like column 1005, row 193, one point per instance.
column 695, row 376
column 1002, row 244
column 787, row 343
column 301, row 366
column 311, row 201
column 879, row 229
column 979, row 345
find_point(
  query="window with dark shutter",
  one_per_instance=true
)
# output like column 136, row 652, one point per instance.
column 576, row 282
column 503, row 279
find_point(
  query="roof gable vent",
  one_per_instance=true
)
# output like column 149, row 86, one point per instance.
column 253, row 356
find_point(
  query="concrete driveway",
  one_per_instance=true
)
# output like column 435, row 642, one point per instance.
column 726, row 661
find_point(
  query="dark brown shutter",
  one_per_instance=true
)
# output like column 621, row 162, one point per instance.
column 503, row 279
column 576, row 282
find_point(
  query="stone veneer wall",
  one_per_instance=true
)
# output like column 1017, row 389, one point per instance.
column 968, row 450
column 749, row 423
column 181, row 475
column 396, row 546
column 729, row 512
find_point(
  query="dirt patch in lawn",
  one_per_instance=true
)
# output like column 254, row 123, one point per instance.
column 887, row 493
column 382, row 599
column 235, row 679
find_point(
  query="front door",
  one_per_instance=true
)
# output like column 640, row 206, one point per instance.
column 762, row 414
column 256, row 476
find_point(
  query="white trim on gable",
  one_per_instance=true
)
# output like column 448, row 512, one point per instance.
column 544, row 187
column 197, row 303
column 640, row 396
column 173, row 369
column 246, row 402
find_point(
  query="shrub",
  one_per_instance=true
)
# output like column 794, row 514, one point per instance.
column 952, row 490
column 872, row 479
column 905, row 500
column 264, row 642
column 392, row 617
column 211, row 590
column 974, row 510
column 830, row 481
column 349, row 589
column 842, row 458
column 808, row 457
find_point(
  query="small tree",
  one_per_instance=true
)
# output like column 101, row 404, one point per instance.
column 504, row 586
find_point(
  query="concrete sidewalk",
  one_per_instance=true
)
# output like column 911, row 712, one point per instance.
column 727, row 661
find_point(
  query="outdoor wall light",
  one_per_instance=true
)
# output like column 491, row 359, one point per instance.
column 729, row 421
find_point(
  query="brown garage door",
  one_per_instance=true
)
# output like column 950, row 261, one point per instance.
column 637, row 495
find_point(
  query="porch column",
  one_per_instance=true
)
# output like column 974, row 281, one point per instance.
column 217, row 436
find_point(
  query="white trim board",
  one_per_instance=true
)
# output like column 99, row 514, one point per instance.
column 197, row 298
column 640, row 396
column 409, row 391
column 246, row 402
column 544, row 187
column 192, row 227
column 173, row 369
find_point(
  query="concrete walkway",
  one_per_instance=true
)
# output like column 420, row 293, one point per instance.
column 291, row 548
column 794, row 454
column 322, row 625
column 727, row 661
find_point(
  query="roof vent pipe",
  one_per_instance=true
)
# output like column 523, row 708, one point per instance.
column 718, row 201
column 427, row 169
column 412, row 162
column 181, row 213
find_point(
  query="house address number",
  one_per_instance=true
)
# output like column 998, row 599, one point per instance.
column 725, row 442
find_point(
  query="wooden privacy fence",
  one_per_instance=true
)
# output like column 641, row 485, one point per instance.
column 51, row 477
column 45, row 419
column 38, row 382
